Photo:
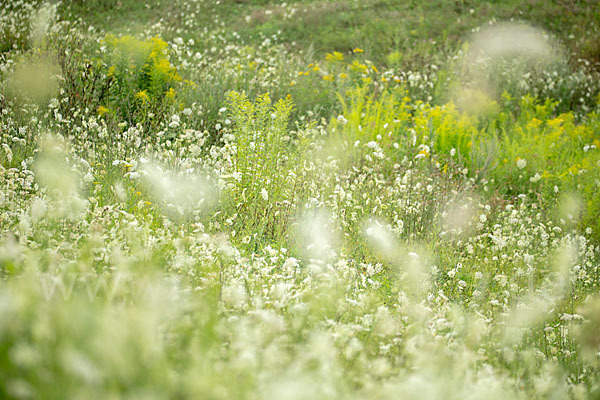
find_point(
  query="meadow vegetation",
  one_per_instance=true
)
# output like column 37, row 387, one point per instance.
column 313, row 199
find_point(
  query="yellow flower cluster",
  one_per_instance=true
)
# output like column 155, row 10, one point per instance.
column 101, row 110
column 144, row 63
column 337, row 68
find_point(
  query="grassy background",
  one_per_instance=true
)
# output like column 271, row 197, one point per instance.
column 237, row 208
column 421, row 31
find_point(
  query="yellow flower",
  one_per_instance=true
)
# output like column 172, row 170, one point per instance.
column 292, row 83
column 328, row 77
column 316, row 68
column 573, row 170
column 534, row 123
column 142, row 95
column 170, row 93
column 555, row 122
column 343, row 75
column 358, row 66
column 336, row 56
column 102, row 110
column 577, row 132
column 374, row 68
column 357, row 50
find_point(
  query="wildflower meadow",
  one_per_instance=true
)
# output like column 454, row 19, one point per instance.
column 254, row 199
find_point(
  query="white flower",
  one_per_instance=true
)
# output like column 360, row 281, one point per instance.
column 8, row 151
column 88, row 178
column 174, row 121
column 521, row 163
column 342, row 120
column 566, row 317
column 501, row 280
column 290, row 263
column 482, row 218
column 264, row 194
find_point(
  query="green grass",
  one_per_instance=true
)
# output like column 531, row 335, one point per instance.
column 421, row 32
column 322, row 199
